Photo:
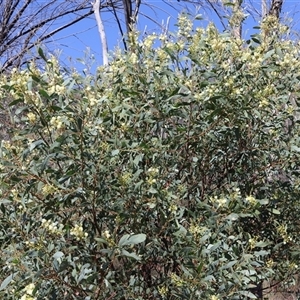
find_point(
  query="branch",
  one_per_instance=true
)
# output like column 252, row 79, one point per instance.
column 127, row 5
column 11, row 61
column 9, row 9
column 217, row 13
column 41, row 24
column 18, row 15
column 119, row 25
column 276, row 7
column 136, row 10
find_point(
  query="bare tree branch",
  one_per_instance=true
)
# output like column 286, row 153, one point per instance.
column 136, row 10
column 24, row 24
column 119, row 25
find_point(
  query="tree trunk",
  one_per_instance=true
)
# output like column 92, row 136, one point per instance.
column 276, row 8
column 96, row 7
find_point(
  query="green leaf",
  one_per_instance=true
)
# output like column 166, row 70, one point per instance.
column 229, row 4
column 36, row 144
column 115, row 152
column 63, row 266
column 58, row 255
column 232, row 217
column 130, row 254
column 5, row 201
column 295, row 148
column 7, row 281
column 263, row 201
column 152, row 190
column 134, row 239
column 269, row 54
column 71, row 85
column 20, row 100
column 247, row 294
column 100, row 240
column 256, row 39
column 138, row 159
column 261, row 253
column 42, row 55
column 248, row 272
column 274, row 211
column 262, row 244
column 35, row 78
column 55, row 108
column 229, row 265
column 44, row 94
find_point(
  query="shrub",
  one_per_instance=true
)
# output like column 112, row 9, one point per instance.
column 171, row 174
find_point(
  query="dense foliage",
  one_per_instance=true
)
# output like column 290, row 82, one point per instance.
column 172, row 174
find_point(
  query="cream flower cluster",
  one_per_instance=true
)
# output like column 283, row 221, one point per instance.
column 54, row 77
column 109, row 239
column 78, row 232
column 92, row 96
column 173, row 208
column 252, row 242
column 125, row 178
column 282, row 231
column 22, row 83
column 19, row 79
column 52, row 227
column 149, row 40
column 58, row 89
column 10, row 146
column 185, row 25
column 251, row 200
column 153, row 171
column 31, row 117
column 28, row 290
column 220, row 201
column 152, row 174
column 48, row 189
column 176, row 280
column 57, row 122
column 163, row 290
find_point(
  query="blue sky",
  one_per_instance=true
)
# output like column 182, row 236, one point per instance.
column 75, row 41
